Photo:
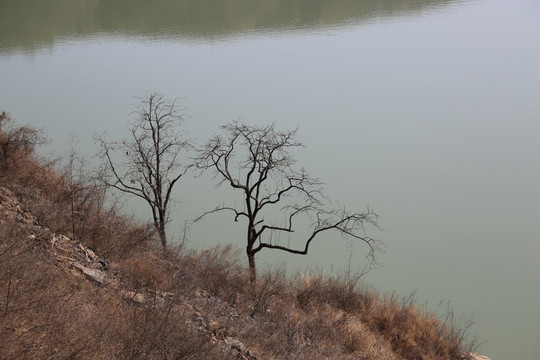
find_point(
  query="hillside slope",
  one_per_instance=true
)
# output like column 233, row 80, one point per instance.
column 78, row 280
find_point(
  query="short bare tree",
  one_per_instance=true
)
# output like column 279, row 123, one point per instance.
column 150, row 158
column 257, row 161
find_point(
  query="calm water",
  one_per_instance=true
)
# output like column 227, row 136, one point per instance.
column 428, row 111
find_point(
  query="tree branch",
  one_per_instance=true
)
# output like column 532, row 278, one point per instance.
column 237, row 213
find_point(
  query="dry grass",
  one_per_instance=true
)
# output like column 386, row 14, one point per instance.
column 48, row 312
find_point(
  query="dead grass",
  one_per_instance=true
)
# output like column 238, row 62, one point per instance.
column 47, row 312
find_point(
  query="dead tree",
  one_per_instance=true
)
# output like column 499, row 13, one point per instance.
column 147, row 164
column 257, row 161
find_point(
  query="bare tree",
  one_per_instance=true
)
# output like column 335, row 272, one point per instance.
column 150, row 165
column 257, row 161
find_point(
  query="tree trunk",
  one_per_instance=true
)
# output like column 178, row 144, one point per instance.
column 161, row 228
column 252, row 268
column 252, row 235
column 162, row 238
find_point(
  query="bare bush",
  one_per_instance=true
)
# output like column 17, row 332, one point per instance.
column 16, row 142
column 270, row 286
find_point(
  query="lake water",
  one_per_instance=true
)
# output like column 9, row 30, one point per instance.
column 428, row 111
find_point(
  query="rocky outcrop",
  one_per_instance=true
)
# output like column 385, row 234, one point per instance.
column 474, row 356
column 73, row 254
column 11, row 208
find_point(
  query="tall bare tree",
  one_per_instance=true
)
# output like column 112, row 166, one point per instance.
column 257, row 161
column 150, row 158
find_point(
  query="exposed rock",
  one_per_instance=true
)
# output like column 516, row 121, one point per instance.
column 478, row 357
column 133, row 296
column 11, row 208
column 63, row 249
column 236, row 344
column 243, row 351
column 94, row 274
column 201, row 325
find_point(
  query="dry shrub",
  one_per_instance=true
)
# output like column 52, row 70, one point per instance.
column 217, row 270
column 317, row 332
column 416, row 334
column 46, row 312
column 17, row 144
column 118, row 238
column 145, row 270
column 376, row 327
column 269, row 287
column 322, row 289
column 150, row 332
column 358, row 339
column 325, row 325
column 33, row 298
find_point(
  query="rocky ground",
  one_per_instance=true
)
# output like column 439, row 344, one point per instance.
column 207, row 314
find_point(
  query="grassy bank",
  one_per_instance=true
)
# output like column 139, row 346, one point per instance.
column 146, row 304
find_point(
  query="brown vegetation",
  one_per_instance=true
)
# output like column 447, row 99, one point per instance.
column 174, row 305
